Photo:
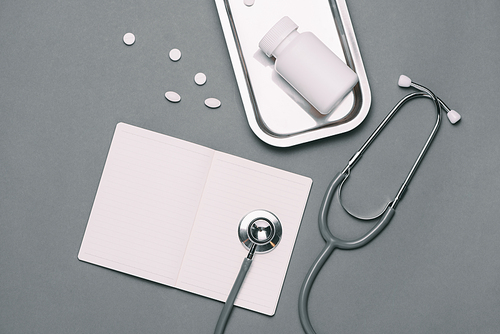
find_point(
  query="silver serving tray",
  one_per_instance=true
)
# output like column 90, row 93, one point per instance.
column 277, row 114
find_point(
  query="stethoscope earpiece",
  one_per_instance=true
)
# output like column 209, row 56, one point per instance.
column 452, row 115
column 333, row 242
column 404, row 81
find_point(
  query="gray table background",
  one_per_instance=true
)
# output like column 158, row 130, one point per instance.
column 66, row 80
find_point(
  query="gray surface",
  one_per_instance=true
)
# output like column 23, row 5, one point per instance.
column 66, row 79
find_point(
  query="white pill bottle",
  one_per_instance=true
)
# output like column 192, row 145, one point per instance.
column 308, row 65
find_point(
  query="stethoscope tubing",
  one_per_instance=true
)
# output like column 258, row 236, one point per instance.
column 228, row 306
column 332, row 243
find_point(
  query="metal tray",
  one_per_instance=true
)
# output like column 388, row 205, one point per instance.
column 277, row 114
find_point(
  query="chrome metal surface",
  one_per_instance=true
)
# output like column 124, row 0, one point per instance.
column 262, row 228
column 276, row 113
column 261, row 231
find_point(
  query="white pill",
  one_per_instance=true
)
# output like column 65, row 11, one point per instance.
column 175, row 54
column 249, row 2
column 172, row 96
column 200, row 79
column 129, row 38
column 212, row 103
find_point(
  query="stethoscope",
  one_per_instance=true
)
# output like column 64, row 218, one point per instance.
column 333, row 242
column 259, row 231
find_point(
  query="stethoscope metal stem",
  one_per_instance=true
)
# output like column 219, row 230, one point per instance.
column 251, row 252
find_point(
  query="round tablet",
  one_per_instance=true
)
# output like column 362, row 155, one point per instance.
column 212, row 103
column 200, row 79
column 248, row 3
column 175, row 54
column 172, row 96
column 129, row 38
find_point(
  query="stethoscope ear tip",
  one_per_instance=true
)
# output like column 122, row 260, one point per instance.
column 404, row 81
column 453, row 116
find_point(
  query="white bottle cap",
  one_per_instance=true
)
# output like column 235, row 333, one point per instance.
column 276, row 35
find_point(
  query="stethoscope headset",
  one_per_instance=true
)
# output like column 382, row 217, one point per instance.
column 333, row 242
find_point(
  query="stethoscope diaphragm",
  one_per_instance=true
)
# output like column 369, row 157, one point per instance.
column 262, row 228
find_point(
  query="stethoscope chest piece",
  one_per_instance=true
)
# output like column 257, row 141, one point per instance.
column 259, row 232
column 262, row 228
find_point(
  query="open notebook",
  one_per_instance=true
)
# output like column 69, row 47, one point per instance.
column 167, row 210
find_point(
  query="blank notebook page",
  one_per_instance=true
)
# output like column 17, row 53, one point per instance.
column 168, row 211
column 146, row 204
